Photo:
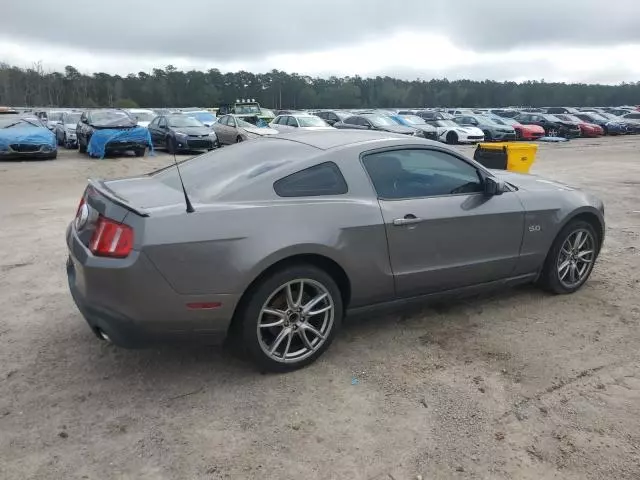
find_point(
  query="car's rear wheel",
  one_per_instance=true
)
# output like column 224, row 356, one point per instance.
column 291, row 317
column 139, row 152
column 487, row 136
column 571, row 259
column 238, row 139
column 82, row 147
column 452, row 138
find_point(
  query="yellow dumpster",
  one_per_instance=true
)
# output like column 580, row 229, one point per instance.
column 516, row 157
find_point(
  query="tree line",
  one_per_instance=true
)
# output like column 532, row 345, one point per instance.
column 170, row 87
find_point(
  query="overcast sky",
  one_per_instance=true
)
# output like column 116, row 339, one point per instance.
column 555, row 40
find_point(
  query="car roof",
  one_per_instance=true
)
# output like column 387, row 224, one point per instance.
column 328, row 139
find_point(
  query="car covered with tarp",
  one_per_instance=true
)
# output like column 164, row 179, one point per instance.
column 111, row 131
column 25, row 138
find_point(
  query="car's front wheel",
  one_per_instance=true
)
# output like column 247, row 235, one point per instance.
column 291, row 318
column 452, row 138
column 571, row 259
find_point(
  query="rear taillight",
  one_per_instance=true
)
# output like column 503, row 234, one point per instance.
column 82, row 202
column 111, row 239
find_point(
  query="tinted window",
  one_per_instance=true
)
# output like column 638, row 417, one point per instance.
column 323, row 179
column 420, row 173
column 154, row 122
column 291, row 121
column 632, row 115
column 162, row 122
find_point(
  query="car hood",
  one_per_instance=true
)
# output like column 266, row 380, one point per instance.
column 192, row 130
column 466, row 130
column 530, row 182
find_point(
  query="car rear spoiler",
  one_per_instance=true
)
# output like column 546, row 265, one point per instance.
column 101, row 187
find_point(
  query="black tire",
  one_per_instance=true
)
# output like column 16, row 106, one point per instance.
column 550, row 278
column 82, row 148
column 518, row 134
column 249, row 315
column 452, row 138
column 487, row 136
column 139, row 152
column 238, row 139
column 170, row 145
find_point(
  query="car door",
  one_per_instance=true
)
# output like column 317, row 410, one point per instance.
column 220, row 127
column 443, row 231
column 154, row 131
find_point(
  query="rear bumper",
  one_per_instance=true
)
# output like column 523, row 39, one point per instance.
column 133, row 304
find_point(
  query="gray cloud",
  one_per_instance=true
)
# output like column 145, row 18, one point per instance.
column 225, row 30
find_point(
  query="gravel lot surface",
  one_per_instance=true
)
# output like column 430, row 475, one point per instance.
column 520, row 384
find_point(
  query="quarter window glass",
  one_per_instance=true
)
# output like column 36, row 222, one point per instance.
column 420, row 173
column 323, row 179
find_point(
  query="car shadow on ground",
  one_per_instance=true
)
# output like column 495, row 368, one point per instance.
column 170, row 363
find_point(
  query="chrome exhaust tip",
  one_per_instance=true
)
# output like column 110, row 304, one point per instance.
column 104, row 336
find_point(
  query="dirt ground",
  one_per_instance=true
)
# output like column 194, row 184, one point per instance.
column 518, row 385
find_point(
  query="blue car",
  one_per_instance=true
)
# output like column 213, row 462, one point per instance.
column 610, row 127
column 25, row 138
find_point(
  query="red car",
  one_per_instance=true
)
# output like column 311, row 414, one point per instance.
column 523, row 132
column 586, row 129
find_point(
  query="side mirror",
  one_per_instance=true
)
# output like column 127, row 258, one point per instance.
column 493, row 186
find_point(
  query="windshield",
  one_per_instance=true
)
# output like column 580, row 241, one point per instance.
column 311, row 122
column 72, row 118
column 183, row 121
column 143, row 116
column 380, row 121
column 109, row 117
column 447, row 123
column 596, row 116
column 571, row 118
column 247, row 109
column 414, row 119
column 202, row 116
column 55, row 116
column 609, row 116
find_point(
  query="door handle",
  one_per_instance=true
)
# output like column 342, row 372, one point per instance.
column 407, row 220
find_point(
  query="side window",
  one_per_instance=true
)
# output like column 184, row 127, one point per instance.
column 83, row 117
column 420, row 173
column 292, row 122
column 363, row 122
column 351, row 121
column 154, row 122
column 162, row 122
column 323, row 179
column 231, row 121
column 633, row 115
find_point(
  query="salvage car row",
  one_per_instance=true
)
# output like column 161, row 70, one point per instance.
column 101, row 132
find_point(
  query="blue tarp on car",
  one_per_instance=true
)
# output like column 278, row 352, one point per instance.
column 26, row 135
column 100, row 139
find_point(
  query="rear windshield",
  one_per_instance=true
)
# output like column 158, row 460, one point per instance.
column 224, row 171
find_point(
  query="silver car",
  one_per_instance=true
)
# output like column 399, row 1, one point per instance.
column 298, row 121
column 274, row 240
column 231, row 129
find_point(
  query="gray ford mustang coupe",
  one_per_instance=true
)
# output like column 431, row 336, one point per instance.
column 284, row 235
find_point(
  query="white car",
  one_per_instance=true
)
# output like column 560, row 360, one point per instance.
column 452, row 133
column 142, row 115
column 305, row 121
